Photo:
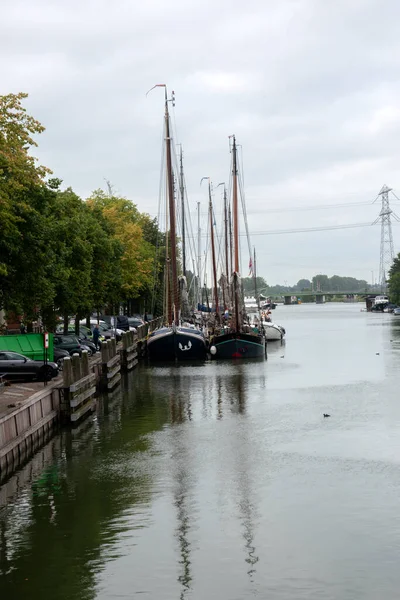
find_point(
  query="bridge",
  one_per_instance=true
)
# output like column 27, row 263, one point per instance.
column 331, row 293
column 320, row 295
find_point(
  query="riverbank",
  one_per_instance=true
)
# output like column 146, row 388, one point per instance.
column 30, row 412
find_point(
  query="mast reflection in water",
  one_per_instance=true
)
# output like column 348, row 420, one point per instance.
column 223, row 480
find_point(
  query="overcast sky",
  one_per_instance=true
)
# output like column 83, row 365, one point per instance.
column 311, row 89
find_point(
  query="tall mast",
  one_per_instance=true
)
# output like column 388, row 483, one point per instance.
column 174, row 305
column 214, row 263
column 226, row 234
column 230, row 241
column 235, row 206
column 182, row 190
column 255, row 278
column 199, row 250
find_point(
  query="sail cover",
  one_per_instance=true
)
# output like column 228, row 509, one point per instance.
column 184, row 297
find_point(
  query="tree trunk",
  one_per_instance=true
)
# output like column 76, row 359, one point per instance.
column 66, row 323
column 77, row 325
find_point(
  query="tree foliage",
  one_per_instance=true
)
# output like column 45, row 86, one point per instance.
column 138, row 255
column 60, row 254
column 394, row 280
column 19, row 173
column 249, row 285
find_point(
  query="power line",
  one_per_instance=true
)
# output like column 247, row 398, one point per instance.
column 311, row 207
column 308, row 229
column 311, row 229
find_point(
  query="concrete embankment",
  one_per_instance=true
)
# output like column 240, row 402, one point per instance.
column 30, row 413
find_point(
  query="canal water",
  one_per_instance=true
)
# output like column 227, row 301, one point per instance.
column 225, row 481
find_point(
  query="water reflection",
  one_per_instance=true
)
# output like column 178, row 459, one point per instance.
column 72, row 515
column 223, row 480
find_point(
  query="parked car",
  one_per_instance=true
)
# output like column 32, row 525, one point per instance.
column 18, row 366
column 118, row 321
column 396, row 311
column 135, row 322
column 70, row 343
column 84, row 332
column 59, row 356
column 86, row 343
column 106, row 330
column 123, row 322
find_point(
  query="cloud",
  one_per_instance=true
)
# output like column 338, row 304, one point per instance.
column 310, row 89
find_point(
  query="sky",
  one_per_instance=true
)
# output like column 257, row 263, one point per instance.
column 310, row 89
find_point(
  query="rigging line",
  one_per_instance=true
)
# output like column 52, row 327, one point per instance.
column 263, row 211
column 308, row 208
column 189, row 222
column 312, row 229
column 311, row 207
column 243, row 201
column 156, row 257
column 189, row 237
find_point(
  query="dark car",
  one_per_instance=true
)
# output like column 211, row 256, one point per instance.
column 84, row 332
column 59, row 356
column 86, row 343
column 123, row 322
column 70, row 343
column 135, row 322
column 118, row 321
column 18, row 366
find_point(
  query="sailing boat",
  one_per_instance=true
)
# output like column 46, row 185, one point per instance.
column 173, row 342
column 236, row 339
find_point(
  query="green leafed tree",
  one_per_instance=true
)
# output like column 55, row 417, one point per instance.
column 137, row 235
column 394, row 280
column 249, row 287
column 19, row 173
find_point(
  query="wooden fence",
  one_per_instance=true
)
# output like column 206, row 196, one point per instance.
column 79, row 388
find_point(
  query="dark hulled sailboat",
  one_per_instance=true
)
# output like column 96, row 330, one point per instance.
column 173, row 342
column 236, row 339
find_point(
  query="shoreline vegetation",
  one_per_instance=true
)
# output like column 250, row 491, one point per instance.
column 63, row 255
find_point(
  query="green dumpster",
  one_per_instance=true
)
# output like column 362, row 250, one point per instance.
column 28, row 344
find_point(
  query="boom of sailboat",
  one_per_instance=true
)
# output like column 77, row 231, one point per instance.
column 199, row 324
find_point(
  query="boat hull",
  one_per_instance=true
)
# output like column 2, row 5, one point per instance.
column 273, row 333
column 238, row 346
column 176, row 344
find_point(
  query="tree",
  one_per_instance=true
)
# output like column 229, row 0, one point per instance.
column 138, row 254
column 19, row 172
column 321, row 282
column 303, row 284
column 74, row 254
column 394, row 280
column 32, row 267
column 249, row 287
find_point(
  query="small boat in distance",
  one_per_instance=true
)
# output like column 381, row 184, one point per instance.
column 379, row 300
column 273, row 332
column 268, row 305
